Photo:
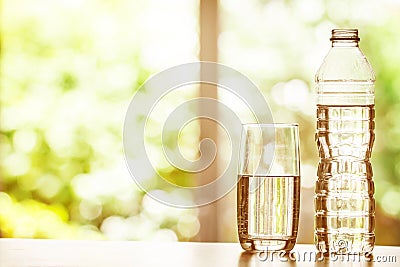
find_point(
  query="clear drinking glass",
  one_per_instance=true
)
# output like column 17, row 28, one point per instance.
column 268, row 189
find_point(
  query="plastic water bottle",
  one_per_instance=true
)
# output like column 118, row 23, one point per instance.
column 344, row 202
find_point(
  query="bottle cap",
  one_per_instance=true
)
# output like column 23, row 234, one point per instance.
column 345, row 35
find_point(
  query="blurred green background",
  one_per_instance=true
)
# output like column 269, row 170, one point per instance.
column 69, row 69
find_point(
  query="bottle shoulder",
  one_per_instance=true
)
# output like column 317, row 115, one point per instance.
column 345, row 64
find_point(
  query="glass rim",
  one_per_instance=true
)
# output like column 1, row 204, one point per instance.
column 274, row 125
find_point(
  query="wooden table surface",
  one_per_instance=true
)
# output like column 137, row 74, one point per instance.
column 60, row 253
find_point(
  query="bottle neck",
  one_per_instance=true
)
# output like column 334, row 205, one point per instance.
column 345, row 38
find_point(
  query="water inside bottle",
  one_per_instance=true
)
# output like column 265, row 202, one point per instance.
column 344, row 203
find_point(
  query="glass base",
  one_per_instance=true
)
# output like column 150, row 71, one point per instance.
column 257, row 245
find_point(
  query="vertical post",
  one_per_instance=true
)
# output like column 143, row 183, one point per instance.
column 208, row 129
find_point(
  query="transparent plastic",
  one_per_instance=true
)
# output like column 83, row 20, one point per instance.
column 344, row 202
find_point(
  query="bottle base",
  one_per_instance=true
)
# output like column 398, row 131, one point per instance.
column 339, row 244
column 257, row 245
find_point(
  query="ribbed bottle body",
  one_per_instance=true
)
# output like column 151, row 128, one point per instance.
column 344, row 202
